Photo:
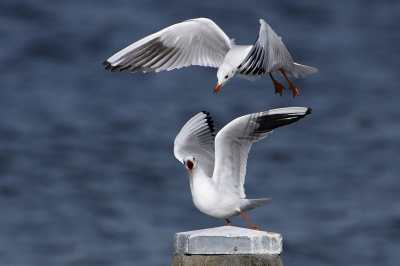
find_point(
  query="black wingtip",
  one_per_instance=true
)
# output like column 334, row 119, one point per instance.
column 210, row 123
column 271, row 122
column 108, row 65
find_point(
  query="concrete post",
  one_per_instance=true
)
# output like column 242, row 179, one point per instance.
column 227, row 245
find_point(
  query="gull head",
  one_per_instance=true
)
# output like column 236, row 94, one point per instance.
column 190, row 163
column 225, row 74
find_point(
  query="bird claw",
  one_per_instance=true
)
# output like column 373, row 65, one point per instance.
column 247, row 219
column 294, row 90
column 278, row 88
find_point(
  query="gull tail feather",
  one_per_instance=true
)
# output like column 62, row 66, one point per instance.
column 250, row 204
column 301, row 71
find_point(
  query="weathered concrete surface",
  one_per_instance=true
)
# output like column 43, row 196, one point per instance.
column 227, row 260
column 227, row 240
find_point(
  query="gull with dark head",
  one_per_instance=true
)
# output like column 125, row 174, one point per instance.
column 201, row 42
column 217, row 179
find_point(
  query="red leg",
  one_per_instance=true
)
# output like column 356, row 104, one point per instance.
column 229, row 222
column 278, row 87
column 292, row 87
column 252, row 226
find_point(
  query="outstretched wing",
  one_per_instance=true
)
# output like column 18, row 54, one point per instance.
column 234, row 141
column 196, row 138
column 267, row 52
column 192, row 42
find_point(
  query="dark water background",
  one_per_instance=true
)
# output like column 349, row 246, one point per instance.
column 87, row 172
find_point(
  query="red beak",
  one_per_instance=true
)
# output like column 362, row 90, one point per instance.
column 217, row 88
column 190, row 165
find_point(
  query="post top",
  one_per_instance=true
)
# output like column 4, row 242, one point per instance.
column 228, row 240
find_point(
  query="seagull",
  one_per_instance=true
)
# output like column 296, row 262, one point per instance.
column 201, row 42
column 217, row 179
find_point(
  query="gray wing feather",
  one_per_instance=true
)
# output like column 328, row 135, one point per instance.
column 233, row 143
column 192, row 42
column 267, row 52
column 196, row 138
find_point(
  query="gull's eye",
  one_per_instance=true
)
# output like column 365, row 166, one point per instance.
column 226, row 76
column 194, row 159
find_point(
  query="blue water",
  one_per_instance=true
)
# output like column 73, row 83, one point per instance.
column 87, row 171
